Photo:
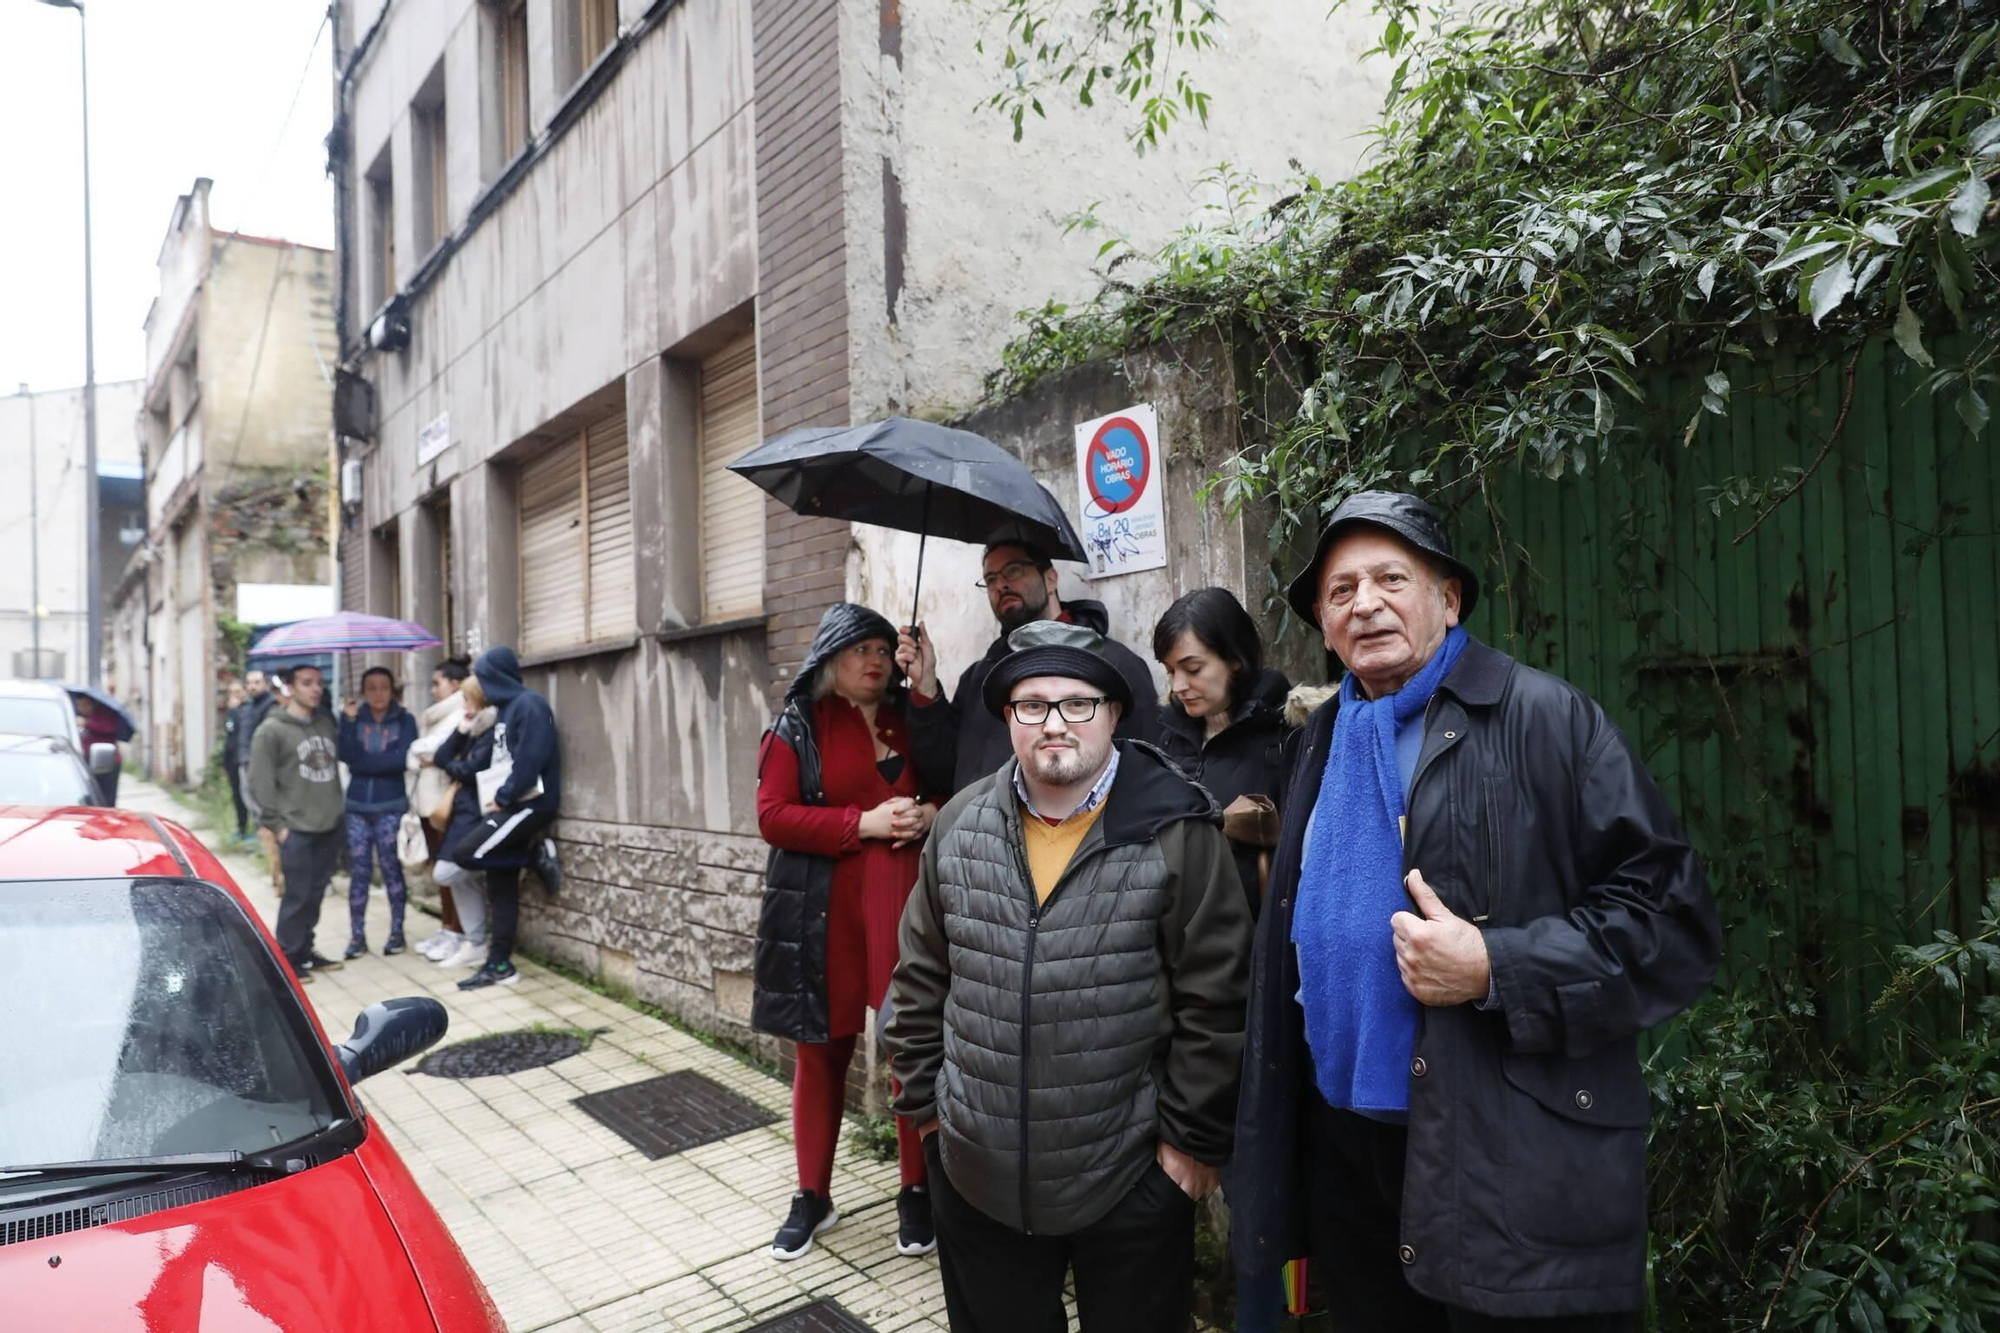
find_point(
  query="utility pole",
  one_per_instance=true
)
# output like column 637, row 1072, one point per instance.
column 93, row 643
column 34, row 540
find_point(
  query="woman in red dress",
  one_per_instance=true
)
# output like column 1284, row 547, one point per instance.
column 843, row 807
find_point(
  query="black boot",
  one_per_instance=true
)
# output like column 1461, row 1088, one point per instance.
column 811, row 1214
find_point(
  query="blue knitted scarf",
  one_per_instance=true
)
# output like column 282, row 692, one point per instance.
column 1360, row 1022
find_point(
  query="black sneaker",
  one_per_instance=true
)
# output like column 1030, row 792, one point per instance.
column 395, row 945
column 319, row 962
column 810, row 1215
column 355, row 948
column 915, row 1233
column 505, row 974
column 548, row 866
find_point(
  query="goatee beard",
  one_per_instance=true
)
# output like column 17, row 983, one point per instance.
column 1013, row 617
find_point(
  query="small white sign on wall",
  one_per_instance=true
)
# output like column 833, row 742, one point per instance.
column 434, row 438
column 1119, row 484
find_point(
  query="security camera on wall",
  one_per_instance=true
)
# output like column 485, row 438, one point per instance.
column 391, row 330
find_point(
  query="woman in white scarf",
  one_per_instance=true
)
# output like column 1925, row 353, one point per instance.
column 429, row 788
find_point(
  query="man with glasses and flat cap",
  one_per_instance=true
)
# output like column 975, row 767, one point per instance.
column 1066, row 1016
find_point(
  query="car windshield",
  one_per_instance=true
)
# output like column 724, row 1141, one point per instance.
column 33, row 717
column 42, row 776
column 147, row 1017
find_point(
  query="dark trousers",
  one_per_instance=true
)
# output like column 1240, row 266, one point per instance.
column 1355, row 1188
column 235, row 776
column 499, row 844
column 107, row 786
column 309, row 860
column 1134, row 1266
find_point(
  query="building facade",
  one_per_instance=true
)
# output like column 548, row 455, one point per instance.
column 236, row 428
column 44, row 581
column 594, row 250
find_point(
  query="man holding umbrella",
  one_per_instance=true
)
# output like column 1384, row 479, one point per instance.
column 938, row 481
column 956, row 735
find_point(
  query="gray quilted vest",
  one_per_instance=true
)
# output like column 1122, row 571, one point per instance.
column 1056, row 1023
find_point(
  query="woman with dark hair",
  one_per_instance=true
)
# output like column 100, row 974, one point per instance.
column 429, row 787
column 375, row 737
column 1224, row 725
column 841, row 803
column 1224, row 722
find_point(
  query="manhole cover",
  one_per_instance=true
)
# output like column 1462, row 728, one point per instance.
column 819, row 1317
column 673, row 1113
column 501, row 1053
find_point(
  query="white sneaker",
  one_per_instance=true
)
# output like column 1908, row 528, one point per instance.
column 467, row 954
column 441, row 944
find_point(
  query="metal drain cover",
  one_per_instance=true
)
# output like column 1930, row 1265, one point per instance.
column 501, row 1053
column 673, row 1113
column 819, row 1317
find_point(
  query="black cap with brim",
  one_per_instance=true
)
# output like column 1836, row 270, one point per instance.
column 1404, row 515
column 1054, row 648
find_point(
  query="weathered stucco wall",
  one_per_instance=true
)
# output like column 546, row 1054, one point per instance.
column 953, row 227
column 1193, row 389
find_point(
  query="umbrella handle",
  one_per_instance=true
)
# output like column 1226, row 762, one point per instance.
column 923, row 539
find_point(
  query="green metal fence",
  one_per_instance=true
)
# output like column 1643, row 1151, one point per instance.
column 1821, row 697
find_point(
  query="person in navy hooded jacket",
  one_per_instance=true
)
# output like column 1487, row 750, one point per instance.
column 514, row 821
column 375, row 737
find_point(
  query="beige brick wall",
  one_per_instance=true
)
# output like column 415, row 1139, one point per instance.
column 802, row 308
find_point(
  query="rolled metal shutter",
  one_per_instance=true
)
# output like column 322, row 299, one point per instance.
column 732, row 509
column 608, row 510
column 552, row 552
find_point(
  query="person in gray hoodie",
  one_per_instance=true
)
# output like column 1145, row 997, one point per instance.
column 295, row 779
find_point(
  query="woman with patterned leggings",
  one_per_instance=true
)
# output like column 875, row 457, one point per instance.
column 375, row 737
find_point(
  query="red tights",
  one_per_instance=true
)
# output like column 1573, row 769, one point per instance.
column 819, row 1081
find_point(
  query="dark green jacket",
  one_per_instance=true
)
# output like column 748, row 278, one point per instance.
column 295, row 773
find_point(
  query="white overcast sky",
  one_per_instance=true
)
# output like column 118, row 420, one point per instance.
column 178, row 89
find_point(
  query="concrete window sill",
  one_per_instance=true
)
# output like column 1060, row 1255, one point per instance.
column 595, row 648
column 714, row 629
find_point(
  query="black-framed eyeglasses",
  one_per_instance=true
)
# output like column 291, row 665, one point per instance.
column 1034, row 712
column 1011, row 572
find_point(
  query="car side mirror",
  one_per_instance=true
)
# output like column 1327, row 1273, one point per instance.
column 103, row 759
column 389, row 1032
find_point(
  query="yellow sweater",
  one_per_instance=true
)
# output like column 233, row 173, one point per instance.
column 1050, row 846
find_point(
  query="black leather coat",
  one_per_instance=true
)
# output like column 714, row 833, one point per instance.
column 1524, row 1187
column 1245, row 759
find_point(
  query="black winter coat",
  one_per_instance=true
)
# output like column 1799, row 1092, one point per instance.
column 1245, row 759
column 958, row 736
column 1524, row 1190
column 463, row 758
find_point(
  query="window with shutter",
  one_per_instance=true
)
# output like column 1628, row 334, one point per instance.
column 732, row 510
column 577, row 583
column 552, row 550
column 608, row 503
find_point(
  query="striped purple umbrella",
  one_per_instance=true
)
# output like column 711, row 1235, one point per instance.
column 344, row 632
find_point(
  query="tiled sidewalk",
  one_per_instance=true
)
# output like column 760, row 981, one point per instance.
column 573, row 1230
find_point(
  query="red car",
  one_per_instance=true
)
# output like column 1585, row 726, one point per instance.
column 181, row 1150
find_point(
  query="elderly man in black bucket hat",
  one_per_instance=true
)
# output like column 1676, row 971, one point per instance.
column 1478, row 902
column 1067, row 1008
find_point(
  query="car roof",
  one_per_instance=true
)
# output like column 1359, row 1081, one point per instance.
column 84, row 842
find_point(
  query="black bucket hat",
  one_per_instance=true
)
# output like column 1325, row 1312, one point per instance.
column 1407, row 517
column 1054, row 648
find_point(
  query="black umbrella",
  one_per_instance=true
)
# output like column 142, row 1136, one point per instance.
column 913, row 476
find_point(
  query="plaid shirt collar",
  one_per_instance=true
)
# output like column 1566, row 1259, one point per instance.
column 1096, row 797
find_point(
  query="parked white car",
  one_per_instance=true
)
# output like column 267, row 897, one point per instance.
column 37, row 708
